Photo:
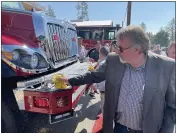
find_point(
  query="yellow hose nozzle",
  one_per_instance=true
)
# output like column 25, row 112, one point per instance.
column 91, row 68
column 58, row 83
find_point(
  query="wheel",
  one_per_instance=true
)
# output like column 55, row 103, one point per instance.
column 8, row 120
column 13, row 120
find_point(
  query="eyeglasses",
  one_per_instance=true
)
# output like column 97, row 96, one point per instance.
column 122, row 49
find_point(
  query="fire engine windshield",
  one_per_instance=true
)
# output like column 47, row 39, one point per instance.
column 97, row 33
column 109, row 34
column 13, row 5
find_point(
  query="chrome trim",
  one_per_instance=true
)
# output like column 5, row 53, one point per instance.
column 19, row 96
column 38, row 25
column 44, row 23
column 9, row 63
column 30, row 51
column 60, row 45
column 81, row 68
column 33, row 71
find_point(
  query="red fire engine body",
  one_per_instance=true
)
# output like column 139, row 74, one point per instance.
column 34, row 48
column 93, row 31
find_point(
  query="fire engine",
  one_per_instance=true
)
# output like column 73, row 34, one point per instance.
column 93, row 31
column 34, row 48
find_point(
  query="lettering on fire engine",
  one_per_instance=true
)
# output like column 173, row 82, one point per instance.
column 64, row 115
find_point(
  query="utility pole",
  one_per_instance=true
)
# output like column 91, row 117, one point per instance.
column 129, row 13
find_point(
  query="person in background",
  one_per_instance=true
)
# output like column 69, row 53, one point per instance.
column 107, row 44
column 139, row 86
column 95, row 56
column 171, row 50
column 81, row 50
column 113, row 46
column 164, row 51
column 151, row 48
column 157, row 49
column 95, row 53
column 103, row 53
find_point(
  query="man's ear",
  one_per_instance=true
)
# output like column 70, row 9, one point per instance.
column 137, row 49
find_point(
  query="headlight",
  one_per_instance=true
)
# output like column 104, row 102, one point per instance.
column 34, row 61
column 15, row 55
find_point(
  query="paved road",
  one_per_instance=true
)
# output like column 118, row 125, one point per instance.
column 86, row 112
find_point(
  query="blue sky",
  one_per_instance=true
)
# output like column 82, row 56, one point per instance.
column 153, row 14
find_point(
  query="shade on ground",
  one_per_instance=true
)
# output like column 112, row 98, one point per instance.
column 98, row 125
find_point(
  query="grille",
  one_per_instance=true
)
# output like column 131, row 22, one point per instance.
column 57, row 45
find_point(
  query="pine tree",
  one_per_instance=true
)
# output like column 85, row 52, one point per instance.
column 170, row 28
column 143, row 25
column 161, row 37
column 82, row 11
column 50, row 12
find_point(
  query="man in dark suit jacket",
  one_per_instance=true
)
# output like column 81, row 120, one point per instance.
column 95, row 53
column 140, row 86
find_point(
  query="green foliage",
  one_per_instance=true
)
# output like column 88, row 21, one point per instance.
column 143, row 25
column 170, row 28
column 50, row 12
column 82, row 11
column 162, row 38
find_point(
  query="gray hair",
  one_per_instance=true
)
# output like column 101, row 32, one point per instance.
column 137, row 35
column 104, row 50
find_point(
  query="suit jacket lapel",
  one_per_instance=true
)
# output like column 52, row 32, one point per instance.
column 119, row 75
column 150, row 88
column 120, row 72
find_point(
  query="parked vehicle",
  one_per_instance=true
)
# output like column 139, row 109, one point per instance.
column 93, row 31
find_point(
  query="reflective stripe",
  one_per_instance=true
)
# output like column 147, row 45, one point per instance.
column 77, row 92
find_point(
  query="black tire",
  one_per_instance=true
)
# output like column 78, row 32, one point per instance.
column 12, row 118
column 7, row 120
